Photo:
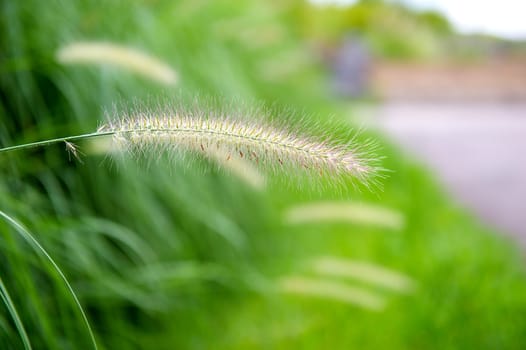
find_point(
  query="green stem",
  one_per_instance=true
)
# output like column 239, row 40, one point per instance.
column 60, row 139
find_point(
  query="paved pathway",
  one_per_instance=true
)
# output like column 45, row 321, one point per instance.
column 478, row 151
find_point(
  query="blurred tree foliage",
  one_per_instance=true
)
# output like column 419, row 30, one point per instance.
column 392, row 29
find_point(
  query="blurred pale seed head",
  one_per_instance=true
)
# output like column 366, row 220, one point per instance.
column 331, row 290
column 363, row 271
column 351, row 212
column 120, row 56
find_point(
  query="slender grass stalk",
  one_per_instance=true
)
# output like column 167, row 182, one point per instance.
column 52, row 141
column 4, row 294
column 26, row 235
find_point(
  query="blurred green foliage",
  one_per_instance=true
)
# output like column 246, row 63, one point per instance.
column 391, row 29
column 172, row 256
column 396, row 31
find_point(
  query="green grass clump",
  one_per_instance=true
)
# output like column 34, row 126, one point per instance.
column 170, row 256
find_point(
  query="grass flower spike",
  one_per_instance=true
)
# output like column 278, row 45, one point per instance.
column 345, row 212
column 120, row 56
column 269, row 146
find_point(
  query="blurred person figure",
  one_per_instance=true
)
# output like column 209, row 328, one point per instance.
column 351, row 67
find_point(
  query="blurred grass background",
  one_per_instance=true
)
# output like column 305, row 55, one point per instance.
column 171, row 256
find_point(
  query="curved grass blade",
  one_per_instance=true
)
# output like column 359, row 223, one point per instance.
column 4, row 294
column 38, row 247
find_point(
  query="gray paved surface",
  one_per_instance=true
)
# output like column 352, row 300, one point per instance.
column 477, row 150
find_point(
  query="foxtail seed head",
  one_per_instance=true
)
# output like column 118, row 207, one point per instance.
column 266, row 145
